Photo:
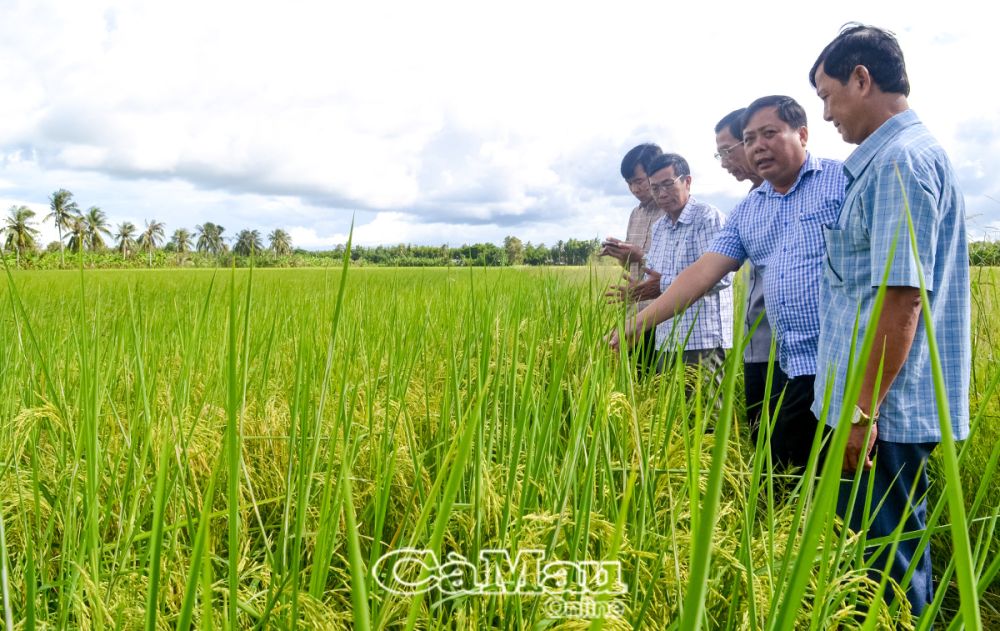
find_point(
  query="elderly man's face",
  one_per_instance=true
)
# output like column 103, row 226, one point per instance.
column 775, row 150
column 670, row 191
column 732, row 155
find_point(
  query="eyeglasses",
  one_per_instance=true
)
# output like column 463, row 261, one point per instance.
column 664, row 186
column 725, row 151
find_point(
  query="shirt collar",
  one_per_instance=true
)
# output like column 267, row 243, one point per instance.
column 687, row 213
column 870, row 146
column 811, row 164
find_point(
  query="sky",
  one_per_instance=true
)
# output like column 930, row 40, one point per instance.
column 436, row 122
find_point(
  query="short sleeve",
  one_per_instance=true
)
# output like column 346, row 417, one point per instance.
column 728, row 241
column 900, row 186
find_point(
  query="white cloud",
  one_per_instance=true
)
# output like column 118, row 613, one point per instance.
column 438, row 120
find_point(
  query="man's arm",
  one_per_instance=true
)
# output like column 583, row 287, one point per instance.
column 688, row 287
column 894, row 335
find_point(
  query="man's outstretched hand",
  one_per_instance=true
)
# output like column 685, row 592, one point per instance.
column 635, row 290
column 624, row 251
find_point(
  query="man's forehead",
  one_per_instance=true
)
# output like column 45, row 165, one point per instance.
column 664, row 173
column 725, row 137
column 766, row 117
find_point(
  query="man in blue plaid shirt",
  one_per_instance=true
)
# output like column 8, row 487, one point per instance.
column 861, row 78
column 777, row 227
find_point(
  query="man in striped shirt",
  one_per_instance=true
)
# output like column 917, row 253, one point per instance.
column 777, row 227
column 631, row 253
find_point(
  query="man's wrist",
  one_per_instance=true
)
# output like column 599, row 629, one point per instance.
column 862, row 418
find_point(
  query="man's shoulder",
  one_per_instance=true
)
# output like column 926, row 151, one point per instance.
column 914, row 146
column 827, row 177
column 828, row 168
column 704, row 214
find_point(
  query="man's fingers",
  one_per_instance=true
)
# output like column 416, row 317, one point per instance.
column 613, row 341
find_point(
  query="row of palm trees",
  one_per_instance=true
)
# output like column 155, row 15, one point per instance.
column 89, row 231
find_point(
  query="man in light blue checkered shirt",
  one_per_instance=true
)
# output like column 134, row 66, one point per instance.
column 680, row 237
column 861, row 78
column 777, row 227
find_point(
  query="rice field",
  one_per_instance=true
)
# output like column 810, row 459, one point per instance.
column 349, row 449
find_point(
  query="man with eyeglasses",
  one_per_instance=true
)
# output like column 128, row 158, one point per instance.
column 756, row 357
column 631, row 253
column 703, row 333
column 777, row 227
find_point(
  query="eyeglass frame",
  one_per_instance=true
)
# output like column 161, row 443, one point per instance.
column 725, row 151
column 663, row 186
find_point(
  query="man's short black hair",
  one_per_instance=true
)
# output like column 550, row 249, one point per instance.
column 788, row 109
column 639, row 155
column 669, row 160
column 869, row 46
column 734, row 122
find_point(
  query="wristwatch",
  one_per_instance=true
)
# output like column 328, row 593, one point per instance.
column 858, row 417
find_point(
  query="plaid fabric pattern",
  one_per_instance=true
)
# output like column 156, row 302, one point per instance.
column 640, row 232
column 781, row 235
column 900, row 161
column 708, row 323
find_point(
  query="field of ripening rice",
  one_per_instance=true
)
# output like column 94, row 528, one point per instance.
column 420, row 449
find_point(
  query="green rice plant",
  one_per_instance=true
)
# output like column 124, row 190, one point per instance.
column 256, row 441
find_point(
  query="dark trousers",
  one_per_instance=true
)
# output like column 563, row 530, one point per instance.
column 794, row 423
column 898, row 468
column 754, row 380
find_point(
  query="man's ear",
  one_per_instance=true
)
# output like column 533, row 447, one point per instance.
column 861, row 78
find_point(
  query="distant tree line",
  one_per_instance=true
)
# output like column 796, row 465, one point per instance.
column 89, row 236
column 512, row 252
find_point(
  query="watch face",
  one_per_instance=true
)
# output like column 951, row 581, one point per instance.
column 856, row 416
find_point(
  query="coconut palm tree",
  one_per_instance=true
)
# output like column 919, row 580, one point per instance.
column 281, row 242
column 125, row 238
column 63, row 210
column 20, row 235
column 97, row 225
column 77, row 234
column 181, row 240
column 248, row 242
column 151, row 238
column 210, row 238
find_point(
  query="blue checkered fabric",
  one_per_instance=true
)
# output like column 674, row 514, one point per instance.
column 781, row 234
column 899, row 164
column 708, row 323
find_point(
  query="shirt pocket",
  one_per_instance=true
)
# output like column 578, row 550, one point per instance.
column 836, row 244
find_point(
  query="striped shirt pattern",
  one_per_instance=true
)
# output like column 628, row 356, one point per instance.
column 900, row 157
column 758, row 348
column 640, row 232
column 708, row 323
column 781, row 235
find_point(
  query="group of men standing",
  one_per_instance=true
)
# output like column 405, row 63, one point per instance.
column 821, row 237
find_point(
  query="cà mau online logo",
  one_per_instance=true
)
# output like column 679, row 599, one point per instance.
column 580, row 589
